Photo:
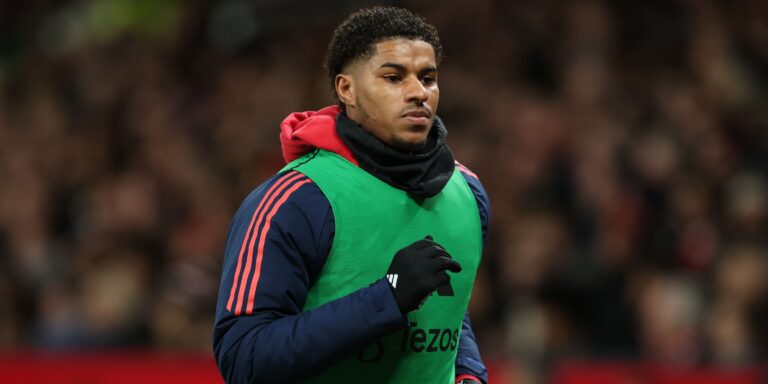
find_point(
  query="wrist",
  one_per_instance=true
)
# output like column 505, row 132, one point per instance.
column 389, row 297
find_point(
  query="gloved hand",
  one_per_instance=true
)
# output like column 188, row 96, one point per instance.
column 417, row 270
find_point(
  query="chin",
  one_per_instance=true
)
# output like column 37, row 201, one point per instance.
column 408, row 144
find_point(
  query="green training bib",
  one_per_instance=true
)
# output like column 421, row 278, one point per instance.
column 373, row 221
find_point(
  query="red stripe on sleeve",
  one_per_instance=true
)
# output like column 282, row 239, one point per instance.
column 262, row 238
column 467, row 376
column 238, row 269
column 270, row 196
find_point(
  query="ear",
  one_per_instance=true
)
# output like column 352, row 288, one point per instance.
column 345, row 89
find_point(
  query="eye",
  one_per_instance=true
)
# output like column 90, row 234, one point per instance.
column 392, row 78
column 428, row 80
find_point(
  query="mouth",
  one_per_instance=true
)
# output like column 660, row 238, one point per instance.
column 418, row 117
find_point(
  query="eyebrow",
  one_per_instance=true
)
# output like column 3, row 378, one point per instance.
column 401, row 67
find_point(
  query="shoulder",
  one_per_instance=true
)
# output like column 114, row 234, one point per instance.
column 287, row 189
column 287, row 212
column 481, row 197
column 289, row 201
column 475, row 185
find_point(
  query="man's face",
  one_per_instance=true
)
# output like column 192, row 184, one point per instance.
column 393, row 94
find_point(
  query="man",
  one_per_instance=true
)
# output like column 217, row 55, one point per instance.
column 356, row 261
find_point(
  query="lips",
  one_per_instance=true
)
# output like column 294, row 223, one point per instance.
column 419, row 113
column 419, row 117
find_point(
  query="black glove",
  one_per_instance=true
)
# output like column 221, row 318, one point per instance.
column 417, row 270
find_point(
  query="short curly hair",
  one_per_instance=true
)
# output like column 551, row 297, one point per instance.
column 356, row 37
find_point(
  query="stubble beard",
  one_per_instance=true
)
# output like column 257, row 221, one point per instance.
column 395, row 142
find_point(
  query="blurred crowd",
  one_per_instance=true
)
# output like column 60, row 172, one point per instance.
column 624, row 146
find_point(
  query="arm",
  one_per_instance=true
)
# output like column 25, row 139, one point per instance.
column 260, row 333
column 469, row 363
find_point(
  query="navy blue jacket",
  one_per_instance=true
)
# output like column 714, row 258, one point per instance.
column 277, row 244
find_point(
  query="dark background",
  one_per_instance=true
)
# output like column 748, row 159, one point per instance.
column 624, row 146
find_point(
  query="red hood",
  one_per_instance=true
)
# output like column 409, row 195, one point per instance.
column 302, row 132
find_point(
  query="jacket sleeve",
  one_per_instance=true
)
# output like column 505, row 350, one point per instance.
column 468, row 360
column 276, row 246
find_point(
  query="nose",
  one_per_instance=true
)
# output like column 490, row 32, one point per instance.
column 416, row 92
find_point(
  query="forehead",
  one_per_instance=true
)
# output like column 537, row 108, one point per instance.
column 403, row 51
